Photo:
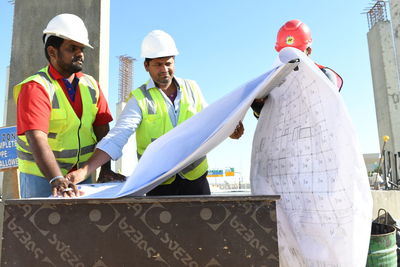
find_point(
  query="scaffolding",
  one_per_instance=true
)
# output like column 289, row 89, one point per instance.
column 377, row 12
column 125, row 77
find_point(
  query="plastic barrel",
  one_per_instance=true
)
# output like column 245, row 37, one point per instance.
column 382, row 246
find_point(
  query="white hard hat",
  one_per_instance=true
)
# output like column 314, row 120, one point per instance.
column 158, row 44
column 69, row 27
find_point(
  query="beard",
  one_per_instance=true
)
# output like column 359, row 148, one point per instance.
column 74, row 66
column 164, row 79
column 70, row 68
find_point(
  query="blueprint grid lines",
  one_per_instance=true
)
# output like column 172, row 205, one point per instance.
column 301, row 162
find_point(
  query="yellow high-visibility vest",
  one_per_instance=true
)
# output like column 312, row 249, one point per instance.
column 156, row 121
column 71, row 139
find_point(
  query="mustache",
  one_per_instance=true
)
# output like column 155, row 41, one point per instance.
column 75, row 59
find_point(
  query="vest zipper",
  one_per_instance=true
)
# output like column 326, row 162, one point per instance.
column 79, row 145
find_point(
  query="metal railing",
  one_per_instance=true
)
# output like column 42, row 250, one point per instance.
column 391, row 170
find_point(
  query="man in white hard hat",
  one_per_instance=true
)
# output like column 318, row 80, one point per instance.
column 61, row 113
column 154, row 108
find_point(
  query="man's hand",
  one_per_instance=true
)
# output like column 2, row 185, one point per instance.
column 77, row 176
column 63, row 187
column 257, row 106
column 107, row 175
column 239, row 130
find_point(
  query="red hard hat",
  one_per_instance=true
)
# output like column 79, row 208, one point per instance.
column 293, row 33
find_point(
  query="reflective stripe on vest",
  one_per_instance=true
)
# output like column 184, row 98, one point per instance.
column 71, row 139
column 156, row 121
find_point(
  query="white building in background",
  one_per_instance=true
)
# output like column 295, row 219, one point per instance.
column 5, row 116
column 227, row 180
column 371, row 161
column 6, row 95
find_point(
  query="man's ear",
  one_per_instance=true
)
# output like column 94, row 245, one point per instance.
column 308, row 51
column 146, row 65
column 51, row 51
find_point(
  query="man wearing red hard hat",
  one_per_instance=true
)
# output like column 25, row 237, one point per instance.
column 297, row 34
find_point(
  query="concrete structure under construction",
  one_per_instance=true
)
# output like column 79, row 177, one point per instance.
column 27, row 54
column 384, row 51
column 127, row 163
column 395, row 18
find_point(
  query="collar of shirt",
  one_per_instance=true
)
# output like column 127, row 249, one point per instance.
column 71, row 87
column 57, row 76
column 173, row 107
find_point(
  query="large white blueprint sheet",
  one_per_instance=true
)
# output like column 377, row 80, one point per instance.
column 305, row 149
column 190, row 140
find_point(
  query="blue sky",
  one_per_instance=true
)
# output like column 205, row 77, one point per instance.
column 225, row 43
